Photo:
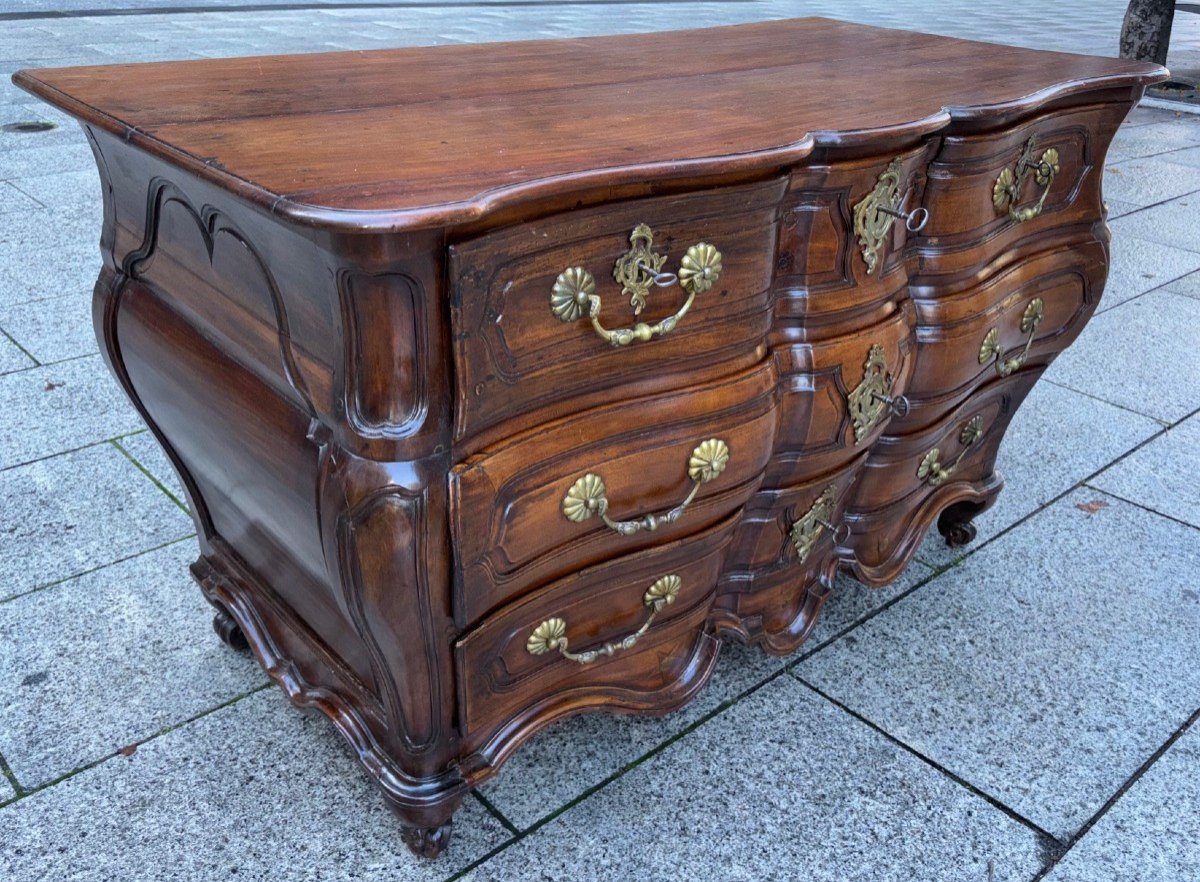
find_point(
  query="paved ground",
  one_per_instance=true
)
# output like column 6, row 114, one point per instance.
column 1019, row 711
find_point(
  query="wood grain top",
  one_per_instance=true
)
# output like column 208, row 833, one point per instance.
column 405, row 138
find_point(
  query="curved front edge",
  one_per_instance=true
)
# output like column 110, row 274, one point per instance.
column 508, row 690
column 898, row 497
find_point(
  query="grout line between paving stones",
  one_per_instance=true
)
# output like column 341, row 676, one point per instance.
column 7, row 771
column 1143, row 507
column 13, row 340
column 25, row 793
column 157, row 483
column 39, row 364
column 632, row 764
column 1161, row 422
column 495, row 812
column 1115, row 798
column 1159, row 155
column 1139, row 296
column 1048, row 841
column 1156, row 205
column 88, row 446
column 36, row 588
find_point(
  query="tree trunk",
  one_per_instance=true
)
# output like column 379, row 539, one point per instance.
column 1146, row 31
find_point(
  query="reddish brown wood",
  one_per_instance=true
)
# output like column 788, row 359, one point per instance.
column 326, row 288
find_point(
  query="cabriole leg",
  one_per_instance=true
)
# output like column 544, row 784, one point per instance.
column 427, row 842
column 956, row 523
column 228, row 630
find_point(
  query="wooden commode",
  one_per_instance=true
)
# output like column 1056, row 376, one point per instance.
column 507, row 381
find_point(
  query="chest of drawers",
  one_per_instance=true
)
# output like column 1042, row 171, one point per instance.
column 508, row 381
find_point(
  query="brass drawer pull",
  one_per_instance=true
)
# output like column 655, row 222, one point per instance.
column 872, row 397
column 932, row 472
column 1007, row 189
column 806, row 530
column 574, row 292
column 587, row 495
column 551, row 635
column 875, row 213
column 990, row 349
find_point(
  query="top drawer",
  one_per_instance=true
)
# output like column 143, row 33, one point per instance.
column 987, row 193
column 513, row 354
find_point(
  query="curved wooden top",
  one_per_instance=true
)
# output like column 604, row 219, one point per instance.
column 405, row 138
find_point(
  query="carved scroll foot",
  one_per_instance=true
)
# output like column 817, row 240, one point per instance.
column 955, row 523
column 427, row 842
column 229, row 632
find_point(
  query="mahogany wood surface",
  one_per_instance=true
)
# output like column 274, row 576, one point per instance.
column 327, row 288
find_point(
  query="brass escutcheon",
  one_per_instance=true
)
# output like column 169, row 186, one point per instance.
column 875, row 213
column 872, row 396
column 806, row 529
column 551, row 635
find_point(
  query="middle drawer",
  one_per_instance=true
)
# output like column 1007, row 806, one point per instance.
column 606, row 482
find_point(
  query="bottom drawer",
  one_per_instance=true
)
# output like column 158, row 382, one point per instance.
column 783, row 552
column 621, row 633
column 908, row 479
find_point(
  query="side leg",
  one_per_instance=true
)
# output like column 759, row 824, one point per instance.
column 956, row 525
column 427, row 842
column 229, row 632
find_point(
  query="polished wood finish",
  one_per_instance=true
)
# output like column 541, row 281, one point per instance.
column 326, row 287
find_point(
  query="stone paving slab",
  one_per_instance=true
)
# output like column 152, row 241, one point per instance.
column 1188, row 286
column 6, row 790
column 1162, row 475
column 255, row 790
column 1152, row 833
column 1189, row 157
column 65, row 192
column 24, row 157
column 61, row 407
column 1057, row 438
column 1154, row 139
column 1175, row 223
column 13, row 200
column 144, row 449
column 599, row 745
column 55, row 329
column 1046, row 667
column 12, row 358
column 72, row 513
column 1149, row 180
column 1136, row 354
column 1137, row 266
column 783, row 786
column 852, row 602
column 107, row 659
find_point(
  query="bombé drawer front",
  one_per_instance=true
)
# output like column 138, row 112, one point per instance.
column 620, row 633
column 839, row 394
column 905, row 473
column 606, row 303
column 843, row 230
column 987, row 193
column 607, row 482
column 782, row 558
column 1021, row 316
